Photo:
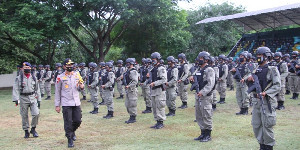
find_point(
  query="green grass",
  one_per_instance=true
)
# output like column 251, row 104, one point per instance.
column 229, row 131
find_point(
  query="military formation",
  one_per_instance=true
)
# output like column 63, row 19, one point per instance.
column 259, row 81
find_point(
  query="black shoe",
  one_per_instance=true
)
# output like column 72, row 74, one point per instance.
column 261, row 146
column 33, row 132
column 222, row 101
column 92, row 111
column 148, row 110
column 131, row 120
column 121, row 97
column 70, row 143
column 74, row 136
column 83, row 98
column 297, row 95
column 42, row 95
column 201, row 136
column 95, row 111
column 26, row 134
column 241, row 112
column 183, row 106
column 245, row 111
column 171, row 112
column 160, row 125
column 231, row 88
column 214, row 107
column 287, row 92
column 206, row 136
column 268, row 147
column 109, row 115
column 102, row 103
column 154, row 126
column 48, row 98
column 195, row 120
column 294, row 96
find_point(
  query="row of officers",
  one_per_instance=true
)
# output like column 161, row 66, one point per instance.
column 261, row 83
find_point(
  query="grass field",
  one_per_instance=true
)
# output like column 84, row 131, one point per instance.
column 230, row 132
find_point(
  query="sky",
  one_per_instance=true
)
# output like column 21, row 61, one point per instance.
column 250, row 5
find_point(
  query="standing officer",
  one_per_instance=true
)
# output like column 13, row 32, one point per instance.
column 108, row 89
column 67, row 87
column 158, row 77
column 286, row 58
column 144, row 83
column 41, row 81
column 93, row 88
column 172, row 77
column 293, row 79
column 263, row 113
column 183, row 72
column 221, row 83
column 240, row 74
column 26, row 92
column 283, row 70
column 119, row 76
column 216, row 70
column 231, row 64
column 47, row 77
column 102, row 73
column 57, row 71
column 203, row 103
column 83, row 74
column 130, row 81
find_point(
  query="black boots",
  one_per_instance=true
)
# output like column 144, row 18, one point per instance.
column 74, row 136
column 121, row 97
column 206, row 136
column 231, row 88
column 26, row 134
column 265, row 147
column 48, row 98
column 222, row 101
column 148, row 110
column 171, row 112
column 83, row 98
column 109, row 115
column 33, row 132
column 295, row 96
column 131, row 120
column 70, row 143
column 201, row 136
column 243, row 111
column 95, row 111
column 280, row 105
column 183, row 106
column 214, row 107
column 158, row 125
column 42, row 95
column 287, row 92
column 102, row 103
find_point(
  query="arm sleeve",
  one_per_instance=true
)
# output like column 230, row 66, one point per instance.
column 58, row 84
column 210, row 78
column 111, row 79
column 186, row 72
column 16, row 90
column 275, row 88
column 95, row 79
column 162, row 73
column 134, row 77
column 174, row 75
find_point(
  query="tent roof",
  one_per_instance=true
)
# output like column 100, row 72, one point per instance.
column 267, row 18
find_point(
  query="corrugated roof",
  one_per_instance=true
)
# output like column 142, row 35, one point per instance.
column 267, row 18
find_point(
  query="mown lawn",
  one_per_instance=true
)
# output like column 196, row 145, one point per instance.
column 230, row 131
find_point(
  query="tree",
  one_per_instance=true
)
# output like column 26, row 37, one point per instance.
column 216, row 37
column 33, row 27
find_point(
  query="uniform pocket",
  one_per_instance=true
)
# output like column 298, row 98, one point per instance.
column 270, row 120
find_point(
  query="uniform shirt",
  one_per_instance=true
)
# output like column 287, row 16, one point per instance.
column 283, row 70
column 29, row 85
column 66, row 91
column 172, row 76
column 132, row 79
column 208, row 77
column 183, row 71
column 223, row 71
column 161, row 79
column 110, row 80
column 48, row 76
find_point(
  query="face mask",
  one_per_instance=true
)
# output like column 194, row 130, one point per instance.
column 201, row 62
column 294, row 57
column 277, row 60
column 27, row 70
column 69, row 69
column 154, row 62
column 128, row 65
column 260, row 60
column 241, row 59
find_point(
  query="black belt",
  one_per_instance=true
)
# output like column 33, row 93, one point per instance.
column 26, row 94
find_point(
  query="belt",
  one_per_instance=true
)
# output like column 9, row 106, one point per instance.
column 26, row 94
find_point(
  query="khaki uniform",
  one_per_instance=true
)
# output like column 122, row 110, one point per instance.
column 102, row 73
column 145, row 87
column 47, row 78
column 293, row 78
column 283, row 70
column 183, row 72
column 28, row 97
column 83, row 74
column 230, row 76
column 158, row 95
column 241, row 94
column 221, row 84
column 93, row 81
column 131, row 92
column 263, row 123
column 203, row 104
column 108, row 81
column 41, row 81
column 216, row 69
column 120, row 86
column 172, row 77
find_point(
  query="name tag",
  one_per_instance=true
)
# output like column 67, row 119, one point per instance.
column 198, row 73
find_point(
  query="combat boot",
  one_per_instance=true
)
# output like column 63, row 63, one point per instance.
column 110, row 115
column 287, row 92
column 231, row 88
column 131, row 120
column 95, row 111
column 214, row 107
column 26, row 134
column 294, row 96
column 206, row 136
column 261, row 146
column 102, row 103
column 33, row 132
column 183, row 106
column 121, row 97
column 201, row 136
column 48, row 98
column 268, row 147
column 171, row 112
column 148, row 110
column 241, row 112
column 74, row 136
column 83, row 98
column 92, row 111
column 70, row 143
column 154, row 126
column 222, row 101
column 160, row 125
column 42, row 95
column 245, row 111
